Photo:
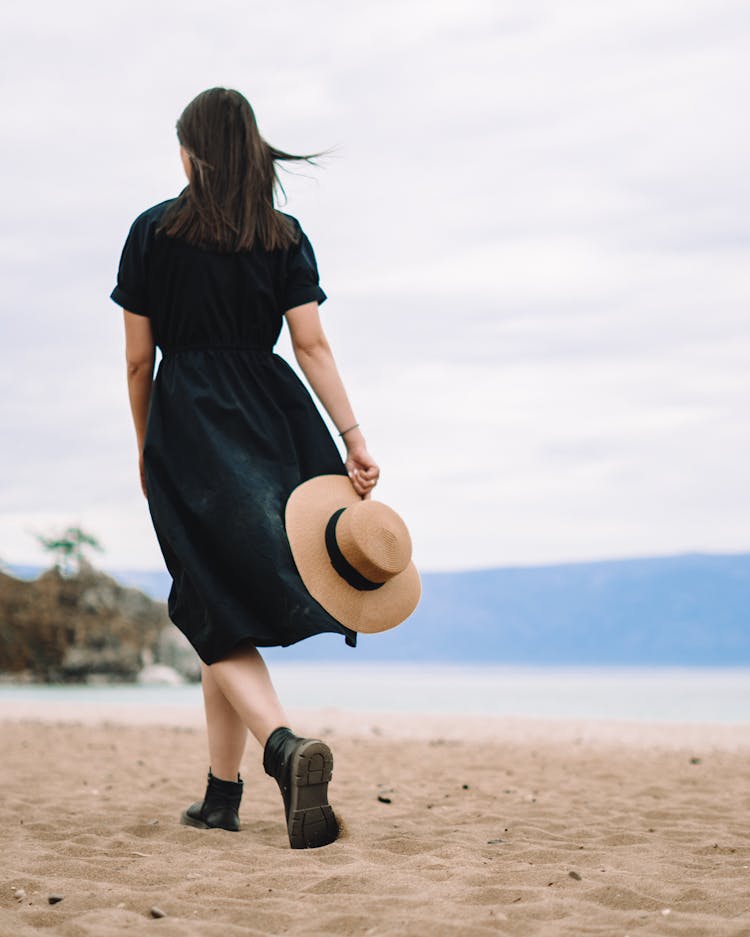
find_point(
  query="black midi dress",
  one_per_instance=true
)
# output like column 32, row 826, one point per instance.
column 231, row 431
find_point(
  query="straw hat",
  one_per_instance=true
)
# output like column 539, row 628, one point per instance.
column 353, row 555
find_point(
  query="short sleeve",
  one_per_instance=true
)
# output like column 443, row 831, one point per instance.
column 131, row 291
column 302, row 280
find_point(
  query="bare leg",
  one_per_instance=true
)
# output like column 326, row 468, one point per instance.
column 226, row 731
column 245, row 683
column 302, row 767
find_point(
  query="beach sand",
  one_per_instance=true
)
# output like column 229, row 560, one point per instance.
column 455, row 826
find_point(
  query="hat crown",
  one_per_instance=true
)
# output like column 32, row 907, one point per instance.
column 374, row 540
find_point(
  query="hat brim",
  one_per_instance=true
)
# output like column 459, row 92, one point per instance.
column 308, row 510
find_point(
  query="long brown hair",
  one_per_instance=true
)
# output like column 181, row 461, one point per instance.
column 228, row 203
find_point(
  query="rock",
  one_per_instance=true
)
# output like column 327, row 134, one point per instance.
column 174, row 650
column 491, row 842
column 19, row 894
column 575, row 875
column 384, row 800
column 99, row 598
column 157, row 912
column 82, row 663
column 54, row 899
column 160, row 675
column 79, row 628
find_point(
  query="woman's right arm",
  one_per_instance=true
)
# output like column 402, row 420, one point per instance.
column 315, row 358
column 139, row 355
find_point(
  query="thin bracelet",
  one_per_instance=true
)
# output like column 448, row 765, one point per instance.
column 348, row 428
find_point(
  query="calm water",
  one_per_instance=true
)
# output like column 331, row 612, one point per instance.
column 657, row 694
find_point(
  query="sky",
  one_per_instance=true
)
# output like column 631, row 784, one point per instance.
column 532, row 231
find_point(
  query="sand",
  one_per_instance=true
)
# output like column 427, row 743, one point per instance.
column 455, row 826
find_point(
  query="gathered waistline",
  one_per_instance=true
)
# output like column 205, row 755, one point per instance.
column 176, row 349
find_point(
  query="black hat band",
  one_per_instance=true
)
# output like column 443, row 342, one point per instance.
column 340, row 563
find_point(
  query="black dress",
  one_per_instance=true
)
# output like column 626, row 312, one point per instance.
column 231, row 431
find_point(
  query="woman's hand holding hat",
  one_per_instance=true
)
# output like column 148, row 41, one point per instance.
column 362, row 468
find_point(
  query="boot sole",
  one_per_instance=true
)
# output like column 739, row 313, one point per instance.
column 311, row 821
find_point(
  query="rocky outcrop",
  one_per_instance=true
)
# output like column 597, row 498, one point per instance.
column 85, row 627
column 174, row 650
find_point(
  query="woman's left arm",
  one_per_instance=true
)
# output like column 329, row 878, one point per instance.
column 140, row 356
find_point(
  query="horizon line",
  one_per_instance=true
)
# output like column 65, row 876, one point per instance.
column 686, row 554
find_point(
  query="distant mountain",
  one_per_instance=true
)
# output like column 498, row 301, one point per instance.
column 692, row 609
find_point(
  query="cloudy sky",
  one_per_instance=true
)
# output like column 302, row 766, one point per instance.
column 533, row 233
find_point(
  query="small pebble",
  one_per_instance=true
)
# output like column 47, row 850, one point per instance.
column 491, row 842
column 384, row 800
column 575, row 875
column 666, row 911
column 54, row 899
column 695, row 761
column 157, row 912
column 465, row 787
column 19, row 894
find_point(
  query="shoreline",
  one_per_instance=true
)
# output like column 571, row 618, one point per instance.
column 625, row 698
column 408, row 725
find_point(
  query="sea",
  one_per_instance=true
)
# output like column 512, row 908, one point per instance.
column 658, row 694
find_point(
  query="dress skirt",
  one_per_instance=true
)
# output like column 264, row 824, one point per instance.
column 231, row 432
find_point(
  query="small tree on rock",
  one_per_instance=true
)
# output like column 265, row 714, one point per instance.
column 68, row 548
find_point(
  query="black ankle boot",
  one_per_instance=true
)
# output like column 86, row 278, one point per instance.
column 302, row 769
column 219, row 808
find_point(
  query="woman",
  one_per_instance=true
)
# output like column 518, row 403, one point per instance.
column 226, row 431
